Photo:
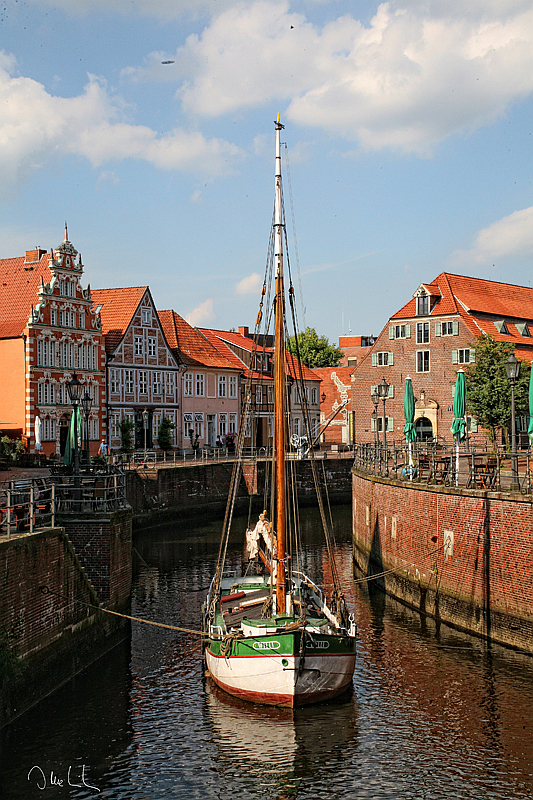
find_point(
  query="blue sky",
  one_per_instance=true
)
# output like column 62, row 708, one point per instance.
column 409, row 128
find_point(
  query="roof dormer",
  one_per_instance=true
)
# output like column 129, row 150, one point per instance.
column 426, row 297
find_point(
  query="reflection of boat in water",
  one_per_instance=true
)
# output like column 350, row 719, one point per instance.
column 275, row 637
column 278, row 747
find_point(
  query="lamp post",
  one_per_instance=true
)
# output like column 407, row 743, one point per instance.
column 375, row 400
column 512, row 368
column 383, row 392
column 145, row 427
column 86, row 403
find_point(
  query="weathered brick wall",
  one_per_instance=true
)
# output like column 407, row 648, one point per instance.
column 29, row 619
column 484, row 583
column 103, row 546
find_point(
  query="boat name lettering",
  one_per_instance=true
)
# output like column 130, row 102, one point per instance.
column 323, row 645
column 266, row 645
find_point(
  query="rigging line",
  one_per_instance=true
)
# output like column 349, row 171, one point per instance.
column 388, row 571
column 46, row 590
column 294, row 232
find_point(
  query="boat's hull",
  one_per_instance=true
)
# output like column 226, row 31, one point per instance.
column 277, row 670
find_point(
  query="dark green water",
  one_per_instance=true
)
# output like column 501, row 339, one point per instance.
column 432, row 715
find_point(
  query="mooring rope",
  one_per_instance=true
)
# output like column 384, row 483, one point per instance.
column 46, row 590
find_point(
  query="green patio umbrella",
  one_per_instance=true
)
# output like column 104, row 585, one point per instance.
column 70, row 445
column 409, row 413
column 459, row 422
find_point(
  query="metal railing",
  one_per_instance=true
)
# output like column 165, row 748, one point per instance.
column 31, row 503
column 434, row 463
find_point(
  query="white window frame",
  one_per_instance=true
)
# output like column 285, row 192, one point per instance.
column 232, row 394
column 200, row 384
column 421, row 360
column 138, row 345
column 188, row 383
column 222, row 385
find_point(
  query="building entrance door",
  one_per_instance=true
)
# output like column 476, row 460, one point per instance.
column 211, row 430
column 424, row 429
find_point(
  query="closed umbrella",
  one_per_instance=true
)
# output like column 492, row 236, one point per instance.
column 409, row 413
column 459, row 422
column 530, row 423
column 70, row 445
column 38, row 424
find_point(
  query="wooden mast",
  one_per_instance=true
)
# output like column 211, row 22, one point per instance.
column 279, row 385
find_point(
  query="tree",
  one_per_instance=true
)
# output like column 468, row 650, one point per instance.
column 314, row 350
column 488, row 397
column 126, row 435
column 165, row 434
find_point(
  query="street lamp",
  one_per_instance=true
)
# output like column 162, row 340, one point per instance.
column 145, row 426
column 512, row 368
column 75, row 388
column 383, row 392
column 86, row 403
column 375, row 400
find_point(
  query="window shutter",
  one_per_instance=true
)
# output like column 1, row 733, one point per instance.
column 390, row 392
column 407, row 331
column 391, row 359
column 374, row 359
column 391, row 331
column 372, row 424
column 473, row 425
column 438, row 328
column 472, row 359
column 455, row 326
column 374, row 389
column 390, row 424
column 455, row 356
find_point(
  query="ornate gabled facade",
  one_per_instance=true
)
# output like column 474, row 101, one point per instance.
column 141, row 370
column 49, row 329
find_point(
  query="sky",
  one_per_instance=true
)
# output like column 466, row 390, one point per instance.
column 147, row 125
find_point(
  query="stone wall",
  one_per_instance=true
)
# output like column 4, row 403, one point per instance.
column 203, row 488
column 461, row 556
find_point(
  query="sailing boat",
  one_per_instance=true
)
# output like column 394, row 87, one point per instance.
column 276, row 638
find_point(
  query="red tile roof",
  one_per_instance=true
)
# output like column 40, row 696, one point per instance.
column 19, row 284
column 118, row 308
column 193, row 347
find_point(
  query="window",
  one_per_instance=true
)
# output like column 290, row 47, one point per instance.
column 94, row 430
column 233, row 386
column 399, row 331
column 422, row 361
column 200, row 384
column 221, row 385
column 48, row 430
column 146, row 316
column 523, row 329
column 270, row 394
column 422, row 305
column 314, row 396
column 138, row 345
column 259, row 395
column 501, row 326
column 466, row 356
column 199, row 425
column 128, row 378
column 422, row 332
column 53, row 316
column 94, row 392
column 188, row 384
column 157, row 386
column 170, row 385
column 82, row 319
column 115, row 426
column 449, row 328
column 46, row 353
column 233, row 423
column 382, row 359
column 377, row 423
column 46, row 394
column 156, row 424
column 223, row 424
column 188, row 425
column 270, row 427
column 296, row 426
column 152, row 350
column 143, row 382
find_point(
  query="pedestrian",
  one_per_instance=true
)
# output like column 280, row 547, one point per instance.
column 103, row 450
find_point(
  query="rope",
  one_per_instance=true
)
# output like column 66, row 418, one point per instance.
column 46, row 590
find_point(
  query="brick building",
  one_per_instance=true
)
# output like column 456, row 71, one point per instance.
column 354, row 348
column 257, row 364
column 335, row 389
column 49, row 330
column 209, row 384
column 429, row 339
column 141, row 370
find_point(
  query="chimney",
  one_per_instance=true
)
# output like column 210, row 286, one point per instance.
column 243, row 330
column 34, row 255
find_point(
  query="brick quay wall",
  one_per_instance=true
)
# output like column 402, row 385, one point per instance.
column 203, row 488
column 463, row 557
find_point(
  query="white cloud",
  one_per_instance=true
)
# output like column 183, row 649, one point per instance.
column 250, row 285
column 35, row 126
column 510, row 236
column 196, row 197
column 417, row 74
column 202, row 314
column 160, row 9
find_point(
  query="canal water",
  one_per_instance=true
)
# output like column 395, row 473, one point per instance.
column 433, row 714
